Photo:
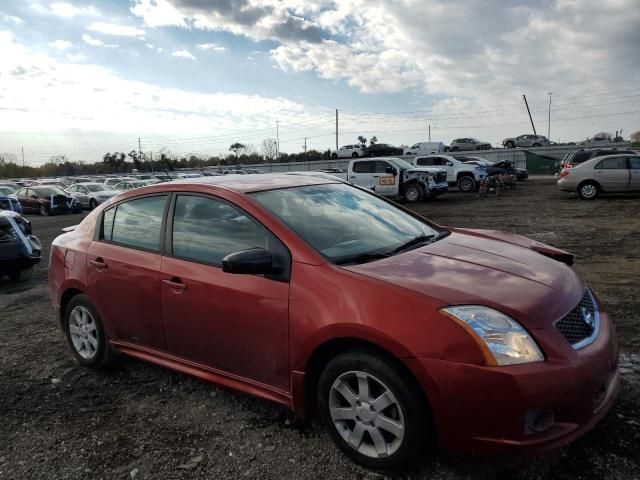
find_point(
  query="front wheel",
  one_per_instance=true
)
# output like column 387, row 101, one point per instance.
column 455, row 149
column 510, row 145
column 44, row 211
column 92, row 204
column 588, row 191
column 413, row 193
column 466, row 184
column 372, row 411
column 334, row 155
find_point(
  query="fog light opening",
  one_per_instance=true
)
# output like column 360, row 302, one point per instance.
column 538, row 420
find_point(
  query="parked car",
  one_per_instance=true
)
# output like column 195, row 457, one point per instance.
column 350, row 151
column 20, row 250
column 577, row 157
column 113, row 181
column 424, row 148
column 605, row 174
column 397, row 331
column 460, row 144
column 12, row 185
column 129, row 184
column 595, row 141
column 7, row 190
column 526, row 140
column 90, row 195
column 466, row 177
column 382, row 150
column 331, row 170
column 47, row 200
column 521, row 173
column 396, row 178
column 9, row 202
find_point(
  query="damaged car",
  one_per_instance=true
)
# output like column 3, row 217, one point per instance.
column 19, row 249
column 47, row 200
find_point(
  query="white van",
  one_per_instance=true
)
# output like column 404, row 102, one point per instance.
column 424, row 148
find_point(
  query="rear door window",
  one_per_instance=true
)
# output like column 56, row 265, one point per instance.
column 136, row 223
column 424, row 161
column 616, row 163
column 363, row 167
column 634, row 163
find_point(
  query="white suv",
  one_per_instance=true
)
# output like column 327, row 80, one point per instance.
column 349, row 151
column 466, row 176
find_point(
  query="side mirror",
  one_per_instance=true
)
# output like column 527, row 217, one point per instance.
column 390, row 169
column 449, row 164
column 254, row 261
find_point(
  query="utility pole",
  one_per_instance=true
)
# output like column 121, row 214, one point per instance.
column 305, row 144
column 529, row 111
column 139, row 149
column 336, row 128
column 429, row 133
column 549, row 125
column 277, row 140
column 22, row 148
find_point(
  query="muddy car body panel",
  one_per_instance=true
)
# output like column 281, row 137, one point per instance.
column 267, row 334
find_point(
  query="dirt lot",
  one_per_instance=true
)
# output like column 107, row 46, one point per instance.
column 59, row 420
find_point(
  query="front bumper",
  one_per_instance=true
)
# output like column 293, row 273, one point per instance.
column 484, row 409
column 438, row 188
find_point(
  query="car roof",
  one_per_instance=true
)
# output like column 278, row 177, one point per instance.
column 251, row 183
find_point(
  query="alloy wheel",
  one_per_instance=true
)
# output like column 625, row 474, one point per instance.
column 366, row 414
column 83, row 332
column 588, row 191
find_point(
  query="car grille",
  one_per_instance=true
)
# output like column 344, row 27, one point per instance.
column 441, row 177
column 581, row 323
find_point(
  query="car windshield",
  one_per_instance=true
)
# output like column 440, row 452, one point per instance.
column 95, row 187
column 47, row 191
column 400, row 163
column 6, row 190
column 345, row 224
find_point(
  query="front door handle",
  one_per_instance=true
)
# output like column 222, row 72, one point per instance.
column 175, row 283
column 99, row 263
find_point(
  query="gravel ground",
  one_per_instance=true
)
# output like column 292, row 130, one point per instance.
column 135, row 421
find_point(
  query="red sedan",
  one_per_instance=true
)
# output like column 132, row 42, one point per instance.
column 328, row 299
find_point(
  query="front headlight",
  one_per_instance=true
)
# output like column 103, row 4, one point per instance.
column 502, row 340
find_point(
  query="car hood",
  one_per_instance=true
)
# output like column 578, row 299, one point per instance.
column 105, row 193
column 502, row 271
column 426, row 169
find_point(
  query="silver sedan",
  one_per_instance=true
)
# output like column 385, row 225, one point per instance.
column 605, row 174
column 90, row 195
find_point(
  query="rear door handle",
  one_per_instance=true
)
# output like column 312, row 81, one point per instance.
column 175, row 283
column 99, row 263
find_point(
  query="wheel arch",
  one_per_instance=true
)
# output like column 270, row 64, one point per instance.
column 465, row 173
column 65, row 298
column 589, row 180
column 324, row 352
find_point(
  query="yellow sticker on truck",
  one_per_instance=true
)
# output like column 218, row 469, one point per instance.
column 391, row 180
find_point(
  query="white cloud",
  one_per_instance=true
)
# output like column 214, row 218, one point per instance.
column 211, row 46
column 67, row 10
column 116, row 30
column 61, row 44
column 94, row 42
column 45, row 97
column 11, row 19
column 183, row 54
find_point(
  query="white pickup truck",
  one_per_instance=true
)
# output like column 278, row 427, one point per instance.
column 395, row 177
column 466, row 176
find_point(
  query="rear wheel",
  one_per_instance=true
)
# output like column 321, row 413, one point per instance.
column 466, row 184
column 371, row 410
column 588, row 190
column 92, row 203
column 413, row 193
column 455, row 149
column 354, row 154
column 334, row 155
column 510, row 144
column 85, row 333
column 536, row 145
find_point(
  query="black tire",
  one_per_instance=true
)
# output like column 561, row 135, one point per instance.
column 92, row 204
column 455, row 149
column 22, row 275
column 354, row 155
column 410, row 406
column 413, row 193
column 44, row 211
column 588, row 190
column 466, row 184
column 536, row 145
column 334, row 155
column 104, row 354
column 510, row 144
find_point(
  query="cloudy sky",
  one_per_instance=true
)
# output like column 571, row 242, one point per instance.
column 82, row 78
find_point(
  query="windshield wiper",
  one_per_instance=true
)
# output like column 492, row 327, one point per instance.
column 361, row 258
column 413, row 242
